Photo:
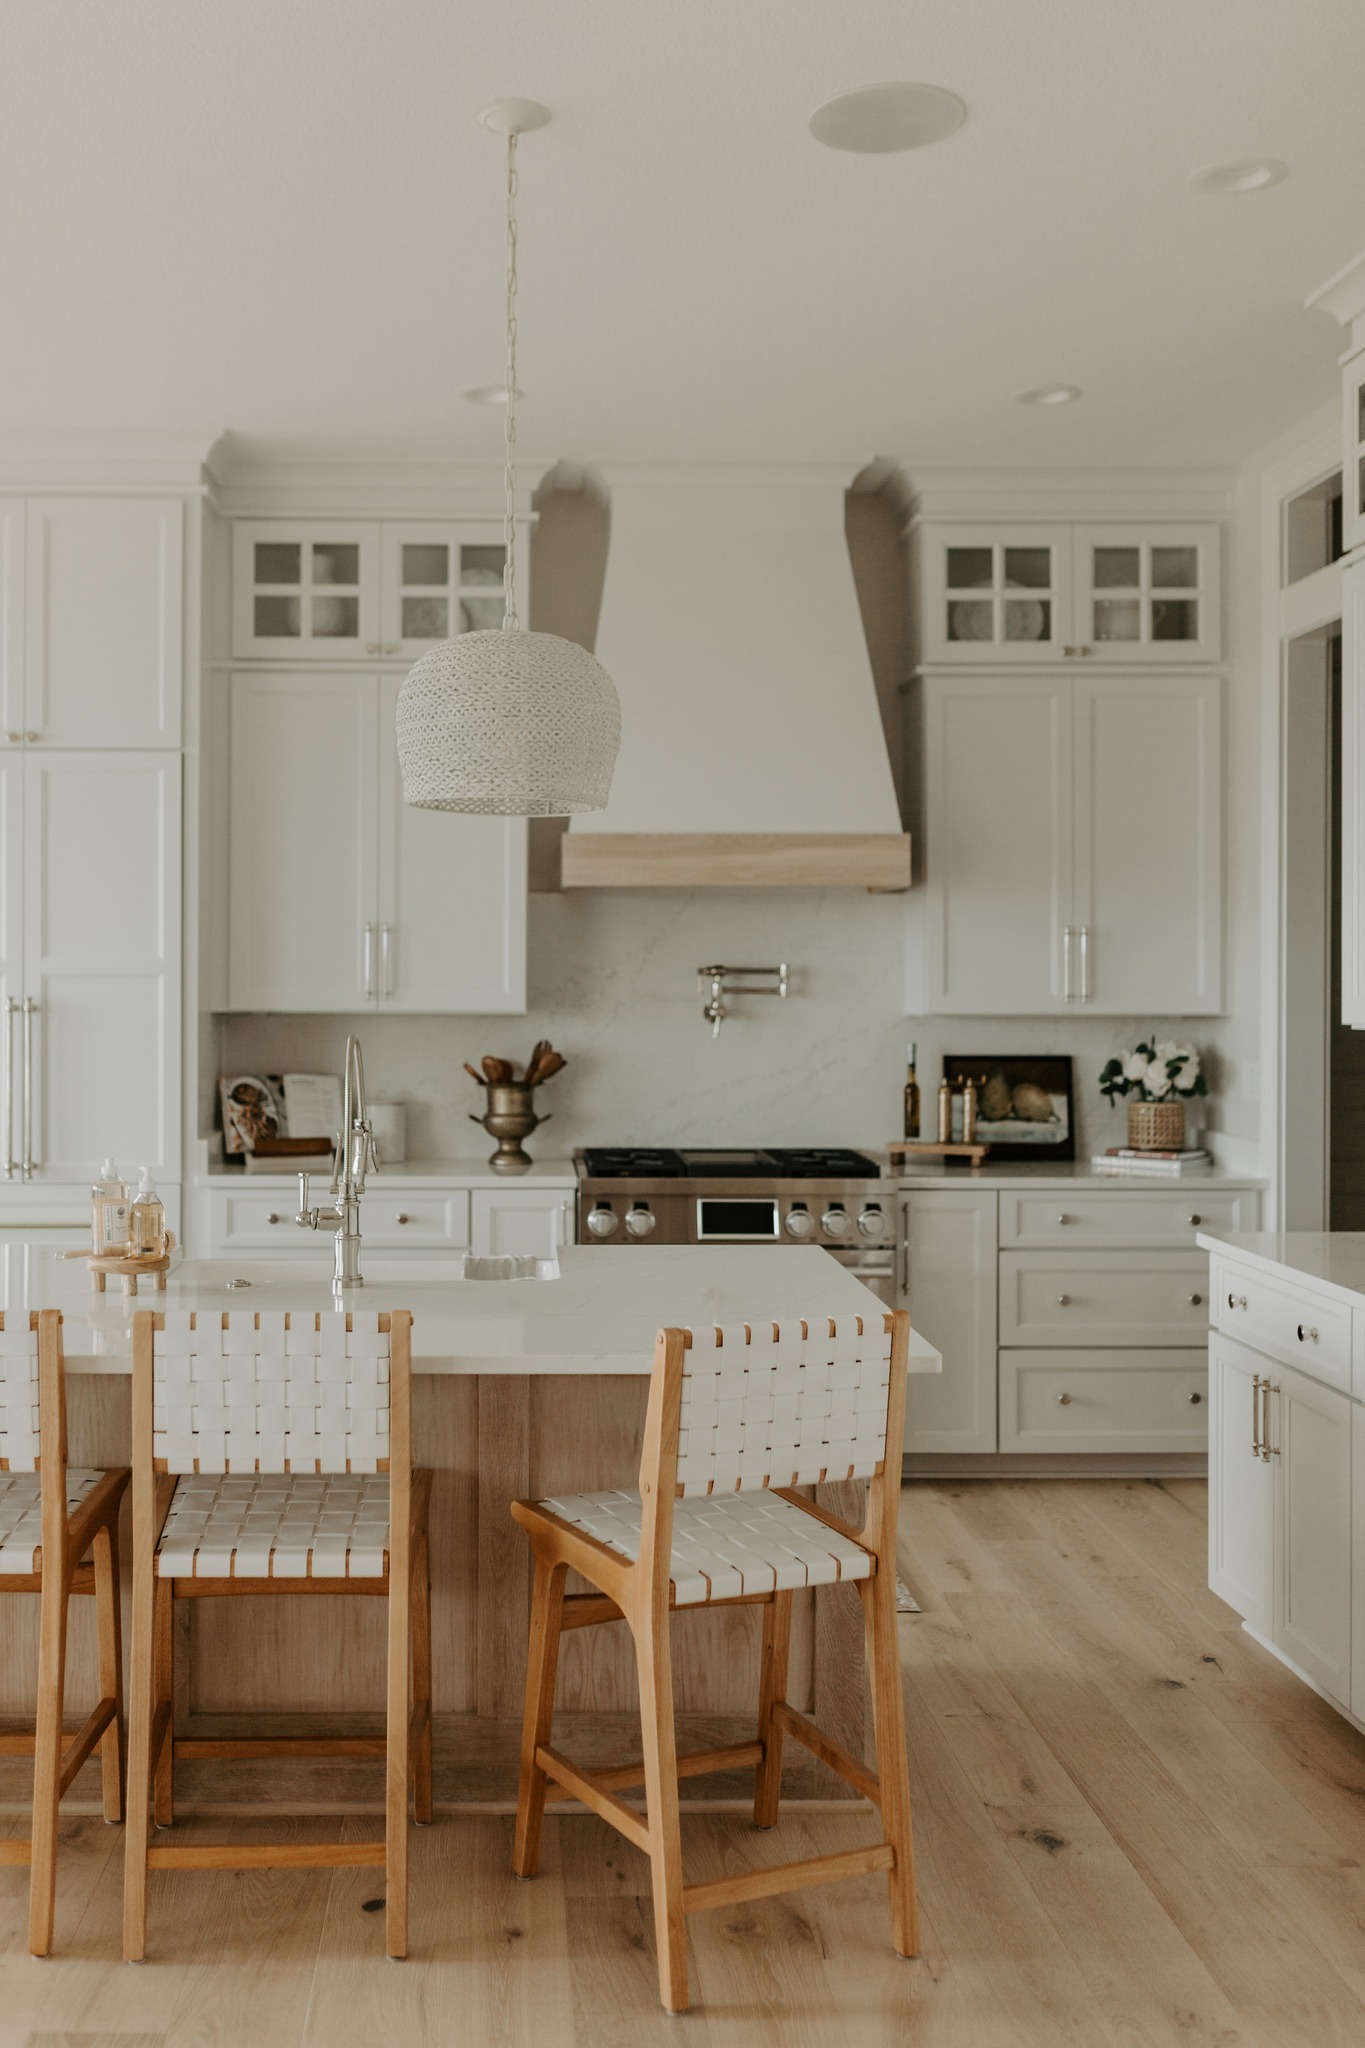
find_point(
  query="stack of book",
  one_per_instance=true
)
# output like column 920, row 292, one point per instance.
column 1127, row 1159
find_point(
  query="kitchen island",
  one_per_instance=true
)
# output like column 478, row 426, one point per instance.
column 522, row 1388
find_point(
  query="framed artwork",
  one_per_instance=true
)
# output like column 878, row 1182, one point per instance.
column 251, row 1109
column 1024, row 1107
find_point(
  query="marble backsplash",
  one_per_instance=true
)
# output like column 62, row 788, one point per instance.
column 613, row 985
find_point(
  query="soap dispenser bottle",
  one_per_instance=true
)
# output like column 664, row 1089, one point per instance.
column 110, row 1213
column 148, row 1220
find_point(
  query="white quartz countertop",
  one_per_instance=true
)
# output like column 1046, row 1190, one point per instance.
column 1333, row 1260
column 452, row 1173
column 598, row 1316
column 1061, row 1173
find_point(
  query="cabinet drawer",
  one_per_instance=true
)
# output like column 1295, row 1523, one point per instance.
column 393, row 1219
column 1310, row 1331
column 1104, row 1401
column 1127, row 1216
column 1099, row 1298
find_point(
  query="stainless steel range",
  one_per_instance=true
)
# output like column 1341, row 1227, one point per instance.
column 638, row 1194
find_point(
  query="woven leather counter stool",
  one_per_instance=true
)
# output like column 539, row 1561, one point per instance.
column 50, row 1517
column 737, row 1418
column 272, row 1454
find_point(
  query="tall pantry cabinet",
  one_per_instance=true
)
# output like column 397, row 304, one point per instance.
column 92, row 661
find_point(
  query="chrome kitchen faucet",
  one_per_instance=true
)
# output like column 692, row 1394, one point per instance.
column 355, row 1155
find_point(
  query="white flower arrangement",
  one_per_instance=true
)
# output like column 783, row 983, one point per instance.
column 1154, row 1073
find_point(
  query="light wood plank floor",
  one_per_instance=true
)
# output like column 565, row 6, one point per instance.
column 1134, row 1829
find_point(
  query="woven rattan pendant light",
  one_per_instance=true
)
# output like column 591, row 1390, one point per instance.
column 514, row 722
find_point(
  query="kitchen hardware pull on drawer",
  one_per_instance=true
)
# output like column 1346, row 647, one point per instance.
column 10, row 1007
column 369, row 960
column 386, row 958
column 1085, row 963
column 1306, row 1334
column 1066, row 964
column 27, row 1014
column 1256, row 1415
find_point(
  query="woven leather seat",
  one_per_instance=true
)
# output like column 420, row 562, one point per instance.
column 725, row 1546
column 21, row 1514
column 276, row 1526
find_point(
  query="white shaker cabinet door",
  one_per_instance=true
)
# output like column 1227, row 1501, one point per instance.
column 1149, row 845
column 1310, row 1436
column 511, row 1220
column 97, row 1055
column 303, row 857
column 998, row 845
column 949, row 1287
column 103, row 622
column 11, row 954
column 1353, row 796
column 1241, row 1485
column 1148, row 594
column 12, row 523
column 305, row 589
column 452, row 899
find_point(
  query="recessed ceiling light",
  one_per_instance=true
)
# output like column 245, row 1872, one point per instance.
column 1246, row 174
column 1048, row 394
column 876, row 119
column 491, row 394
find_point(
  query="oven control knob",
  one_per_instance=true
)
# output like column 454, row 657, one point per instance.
column 799, row 1223
column 871, row 1221
column 641, row 1220
column 835, row 1222
column 602, row 1221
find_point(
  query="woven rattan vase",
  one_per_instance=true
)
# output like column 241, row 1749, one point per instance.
column 1156, row 1126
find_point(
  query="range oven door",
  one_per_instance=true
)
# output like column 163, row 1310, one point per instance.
column 876, row 1269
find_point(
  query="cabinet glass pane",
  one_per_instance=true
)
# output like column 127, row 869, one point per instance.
column 970, row 569
column 425, row 618
column 1028, row 568
column 427, row 564
column 1175, row 568
column 1175, row 618
column 336, row 561
column 1028, row 619
column 480, row 614
column 279, row 561
column 336, row 618
column 482, row 564
column 1118, row 618
column 1116, row 568
column 276, row 618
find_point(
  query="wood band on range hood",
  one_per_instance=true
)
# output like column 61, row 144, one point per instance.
column 735, row 860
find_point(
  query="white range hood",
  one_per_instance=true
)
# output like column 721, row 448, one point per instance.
column 753, row 752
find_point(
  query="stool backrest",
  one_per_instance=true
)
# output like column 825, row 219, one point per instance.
column 765, row 1404
column 275, row 1391
column 20, row 1423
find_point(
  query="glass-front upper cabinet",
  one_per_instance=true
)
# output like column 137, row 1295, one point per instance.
column 995, row 593
column 305, row 589
column 1147, row 593
column 439, row 581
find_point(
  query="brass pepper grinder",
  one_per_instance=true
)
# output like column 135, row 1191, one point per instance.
column 969, row 1111
column 945, row 1112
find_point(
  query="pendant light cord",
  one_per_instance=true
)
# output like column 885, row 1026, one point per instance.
column 510, row 621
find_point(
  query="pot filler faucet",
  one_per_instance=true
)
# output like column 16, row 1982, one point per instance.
column 355, row 1156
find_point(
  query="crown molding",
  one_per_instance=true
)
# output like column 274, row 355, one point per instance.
column 1069, row 494
column 32, row 460
column 279, row 479
column 1343, row 297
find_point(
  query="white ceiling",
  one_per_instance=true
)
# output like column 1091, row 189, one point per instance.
column 281, row 217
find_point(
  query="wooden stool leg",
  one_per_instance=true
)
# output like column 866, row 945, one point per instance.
column 163, row 1691
column 397, row 1771
column 421, row 1677
column 654, row 1665
column 893, row 1770
column 47, row 1758
column 542, row 1663
column 139, row 1747
column 109, row 1622
column 772, row 1689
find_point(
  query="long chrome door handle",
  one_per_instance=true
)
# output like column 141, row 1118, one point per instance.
column 28, row 1010
column 1256, row 1416
column 369, row 960
column 386, row 958
column 1085, row 963
column 11, row 1006
column 1066, row 964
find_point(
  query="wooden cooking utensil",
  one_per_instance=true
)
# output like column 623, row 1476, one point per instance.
column 499, row 1072
column 473, row 1073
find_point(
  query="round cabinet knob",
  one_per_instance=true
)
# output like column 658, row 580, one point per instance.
column 1306, row 1334
column 1196, row 1300
column 402, row 1219
column 272, row 1217
column 640, row 1221
column 834, row 1222
column 15, row 738
column 33, row 738
column 1195, row 1399
column 1063, row 1400
column 799, row 1223
column 1063, row 1219
column 871, row 1221
column 1196, row 1220
column 1063, row 1301
column 1237, row 1301
column 603, row 1222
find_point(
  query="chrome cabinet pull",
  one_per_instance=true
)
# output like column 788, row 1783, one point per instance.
column 1085, row 963
column 1195, row 1399
column 386, row 958
column 1256, row 1415
column 1063, row 1219
column 1195, row 1222
column 272, row 1217
column 1067, row 996
column 1196, row 1300
column 402, row 1219
column 29, row 1007
column 1063, row 1301
column 369, row 960
column 1268, row 1449
column 1063, row 1400
column 1306, row 1334
column 10, row 1007
column 1237, row 1301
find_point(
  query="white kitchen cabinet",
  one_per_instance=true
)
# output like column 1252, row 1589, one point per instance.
column 91, row 622
column 1241, row 1486
column 509, row 1220
column 1026, row 593
column 1353, row 452
column 1073, row 844
column 949, row 1287
column 998, row 830
column 1310, row 1446
column 342, row 898
column 91, row 907
column 1099, row 1298
column 1103, row 1401
column 1353, row 795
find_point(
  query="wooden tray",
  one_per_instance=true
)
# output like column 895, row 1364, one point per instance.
column 130, row 1271
column 931, row 1148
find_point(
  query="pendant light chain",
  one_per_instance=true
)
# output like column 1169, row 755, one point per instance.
column 510, row 622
